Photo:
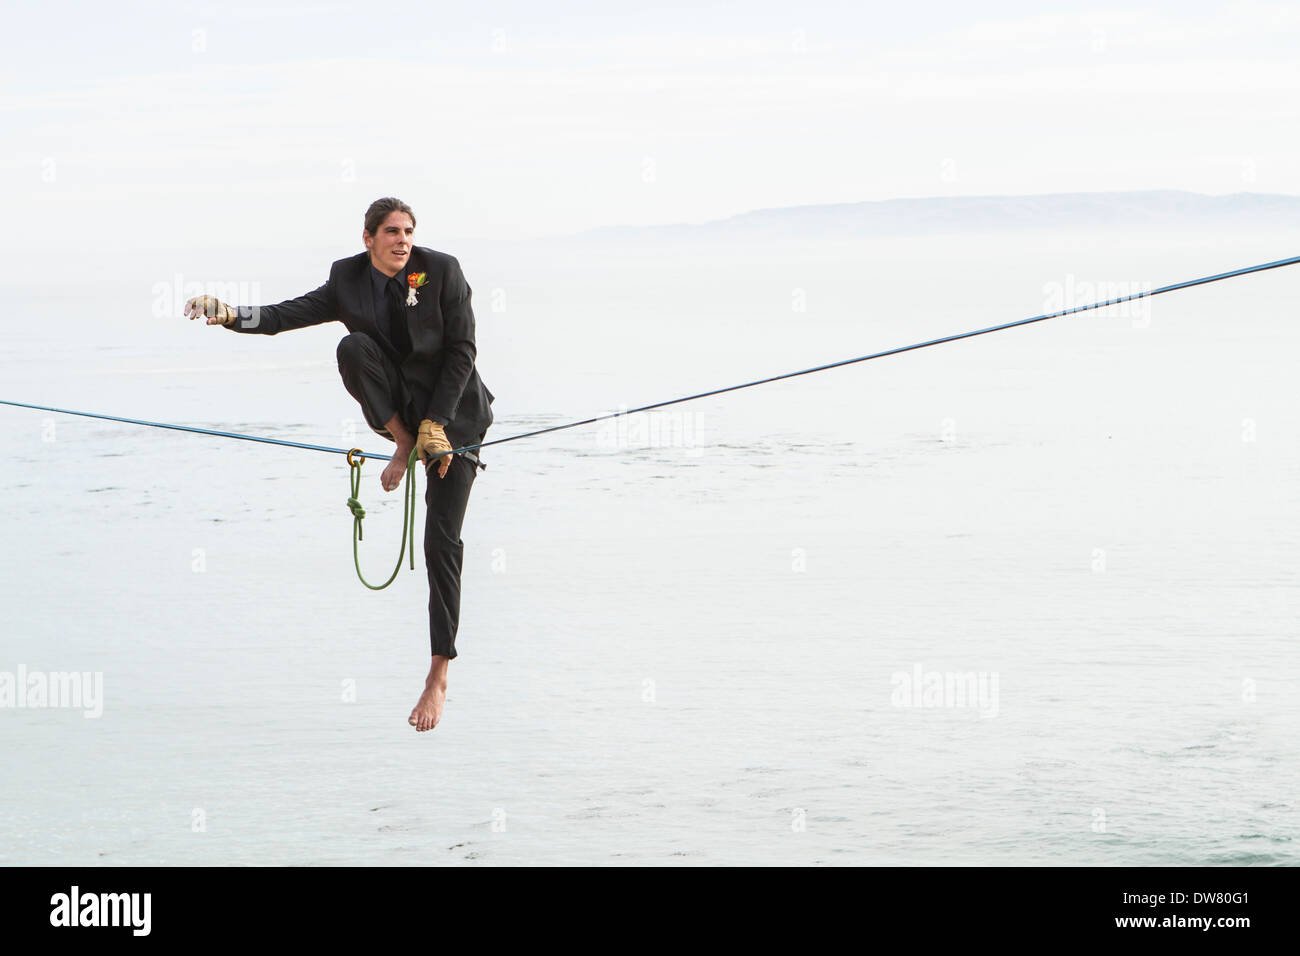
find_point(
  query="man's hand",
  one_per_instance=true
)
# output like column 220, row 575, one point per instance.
column 218, row 312
column 430, row 443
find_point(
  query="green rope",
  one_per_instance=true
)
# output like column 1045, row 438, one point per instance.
column 408, row 521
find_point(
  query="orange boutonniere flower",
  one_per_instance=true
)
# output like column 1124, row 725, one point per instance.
column 413, row 282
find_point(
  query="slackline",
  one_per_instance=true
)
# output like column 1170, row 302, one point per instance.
column 355, row 455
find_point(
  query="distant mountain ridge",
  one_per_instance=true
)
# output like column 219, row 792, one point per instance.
column 963, row 214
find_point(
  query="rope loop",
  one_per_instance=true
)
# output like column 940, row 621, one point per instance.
column 408, row 518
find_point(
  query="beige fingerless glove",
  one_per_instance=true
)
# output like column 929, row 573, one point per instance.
column 212, row 307
column 431, row 441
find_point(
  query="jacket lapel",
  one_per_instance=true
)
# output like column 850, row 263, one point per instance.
column 414, row 264
column 366, row 303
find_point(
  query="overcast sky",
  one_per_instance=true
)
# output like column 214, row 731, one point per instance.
column 142, row 124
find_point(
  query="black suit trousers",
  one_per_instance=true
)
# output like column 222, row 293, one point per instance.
column 374, row 380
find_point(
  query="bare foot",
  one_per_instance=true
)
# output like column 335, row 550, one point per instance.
column 428, row 709
column 395, row 470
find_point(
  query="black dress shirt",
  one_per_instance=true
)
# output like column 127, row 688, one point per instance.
column 390, row 308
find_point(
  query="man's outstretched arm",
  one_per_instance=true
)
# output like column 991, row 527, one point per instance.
column 315, row 307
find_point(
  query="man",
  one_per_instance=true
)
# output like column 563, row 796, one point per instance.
column 409, row 361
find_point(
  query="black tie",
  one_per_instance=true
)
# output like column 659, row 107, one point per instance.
column 397, row 332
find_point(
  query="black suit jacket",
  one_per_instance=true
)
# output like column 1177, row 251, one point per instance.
column 439, row 371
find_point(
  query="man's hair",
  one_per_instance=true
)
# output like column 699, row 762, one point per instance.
column 379, row 210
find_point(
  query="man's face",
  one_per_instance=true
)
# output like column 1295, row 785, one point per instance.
column 391, row 247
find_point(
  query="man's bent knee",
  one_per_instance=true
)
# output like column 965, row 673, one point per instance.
column 353, row 346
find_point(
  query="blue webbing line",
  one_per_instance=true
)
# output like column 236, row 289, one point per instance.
column 906, row 348
column 717, row 391
column 201, row 431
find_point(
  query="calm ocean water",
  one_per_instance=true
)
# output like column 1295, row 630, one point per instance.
column 738, row 631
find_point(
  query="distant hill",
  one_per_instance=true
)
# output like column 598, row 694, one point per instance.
column 1166, row 208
